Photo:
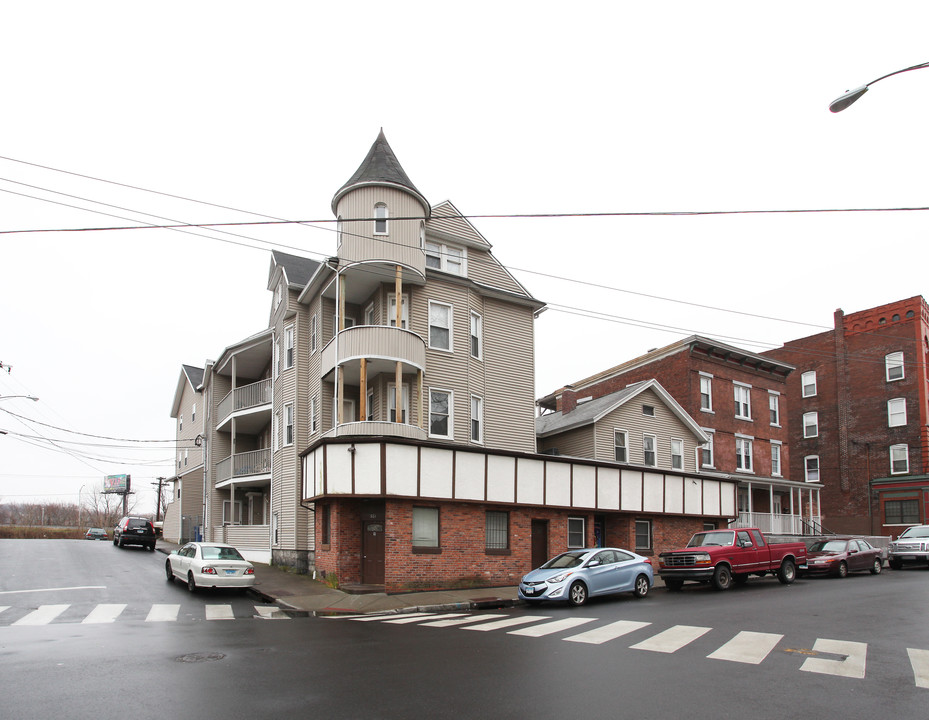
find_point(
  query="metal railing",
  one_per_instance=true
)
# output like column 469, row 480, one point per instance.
column 240, row 465
column 242, row 398
column 777, row 523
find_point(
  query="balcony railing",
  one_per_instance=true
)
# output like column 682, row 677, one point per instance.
column 244, row 465
column 374, row 427
column 375, row 342
column 776, row 523
column 242, row 398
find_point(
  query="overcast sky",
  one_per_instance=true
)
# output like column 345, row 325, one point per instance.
column 502, row 108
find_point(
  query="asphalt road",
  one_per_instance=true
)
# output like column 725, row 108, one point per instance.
column 820, row 648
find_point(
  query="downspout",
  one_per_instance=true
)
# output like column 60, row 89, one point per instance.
column 271, row 493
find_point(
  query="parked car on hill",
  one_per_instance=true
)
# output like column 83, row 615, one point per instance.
column 577, row 575
column 840, row 557
column 134, row 531
column 910, row 548
column 215, row 565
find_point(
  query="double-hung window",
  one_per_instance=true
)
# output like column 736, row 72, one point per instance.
column 313, row 422
column 775, row 458
column 288, row 347
column 440, row 413
column 643, row 535
column 476, row 335
column 706, row 393
column 477, row 419
column 893, row 366
column 743, row 454
column 425, row 527
column 392, row 402
column 576, row 532
column 810, row 424
column 392, row 311
column 706, row 452
column 899, row 459
column 677, row 454
column 774, row 408
column 380, row 219
column 289, row 424
column 743, row 401
column 808, row 384
column 314, row 332
column 621, row 445
column 896, row 412
column 448, row 258
column 440, row 326
column 649, row 444
column 811, row 468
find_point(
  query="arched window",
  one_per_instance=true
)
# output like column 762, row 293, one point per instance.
column 380, row 219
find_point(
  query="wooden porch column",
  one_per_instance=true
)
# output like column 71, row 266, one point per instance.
column 363, row 390
column 398, row 374
column 419, row 400
column 340, row 396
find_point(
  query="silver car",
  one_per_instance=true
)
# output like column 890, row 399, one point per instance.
column 204, row 564
column 577, row 575
column 911, row 547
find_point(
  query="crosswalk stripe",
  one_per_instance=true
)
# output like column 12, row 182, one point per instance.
column 919, row 659
column 405, row 620
column 103, row 614
column 672, row 639
column 219, row 612
column 163, row 613
column 42, row 615
column 461, row 621
column 508, row 622
column 370, row 618
column 747, row 647
column 4, row 607
column 853, row 665
column 551, row 628
column 600, row 635
column 271, row 612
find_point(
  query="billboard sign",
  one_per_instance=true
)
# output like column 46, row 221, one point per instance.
column 116, row 484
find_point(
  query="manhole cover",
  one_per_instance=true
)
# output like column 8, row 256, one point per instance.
column 199, row 657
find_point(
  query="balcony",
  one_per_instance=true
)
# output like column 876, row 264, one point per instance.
column 251, row 403
column 248, row 468
column 777, row 523
column 378, row 428
column 381, row 345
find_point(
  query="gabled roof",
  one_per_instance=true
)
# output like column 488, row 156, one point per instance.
column 190, row 375
column 380, row 167
column 297, row 270
column 593, row 411
column 447, row 220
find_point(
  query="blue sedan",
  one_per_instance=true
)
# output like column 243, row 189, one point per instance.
column 577, row 575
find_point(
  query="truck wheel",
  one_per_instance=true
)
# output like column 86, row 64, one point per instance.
column 674, row 584
column 787, row 572
column 722, row 578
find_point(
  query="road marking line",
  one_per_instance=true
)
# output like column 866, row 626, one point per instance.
column 370, row 618
column 77, row 587
column 672, row 639
column 552, row 627
column 4, row 607
column 271, row 612
column 405, row 620
column 219, row 612
column 42, row 615
column 852, row 666
column 508, row 622
column 747, row 647
column 600, row 635
column 163, row 613
column 103, row 614
column 919, row 659
column 462, row 620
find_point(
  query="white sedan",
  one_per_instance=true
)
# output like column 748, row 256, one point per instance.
column 209, row 565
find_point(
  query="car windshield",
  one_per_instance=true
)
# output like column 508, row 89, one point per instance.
column 828, row 546
column 916, row 532
column 565, row 560
column 210, row 552
column 723, row 537
column 137, row 523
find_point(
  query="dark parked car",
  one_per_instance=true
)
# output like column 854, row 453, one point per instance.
column 134, row 531
column 840, row 557
column 95, row 534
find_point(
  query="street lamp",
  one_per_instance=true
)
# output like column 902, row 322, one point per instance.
column 850, row 96
column 8, row 397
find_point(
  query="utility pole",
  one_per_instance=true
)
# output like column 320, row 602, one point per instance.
column 158, row 501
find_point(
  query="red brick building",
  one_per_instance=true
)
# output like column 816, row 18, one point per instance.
column 739, row 399
column 859, row 416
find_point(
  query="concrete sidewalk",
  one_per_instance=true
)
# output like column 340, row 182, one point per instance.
column 301, row 593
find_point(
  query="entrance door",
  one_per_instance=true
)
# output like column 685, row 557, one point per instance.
column 539, row 542
column 372, row 547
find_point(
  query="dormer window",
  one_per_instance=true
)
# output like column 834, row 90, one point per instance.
column 380, row 219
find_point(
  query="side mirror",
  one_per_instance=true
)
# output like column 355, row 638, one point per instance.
column 745, row 543
column 852, row 551
column 593, row 563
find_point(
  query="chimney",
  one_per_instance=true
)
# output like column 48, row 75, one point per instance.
column 568, row 399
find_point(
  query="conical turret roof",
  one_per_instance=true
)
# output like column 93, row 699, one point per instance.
column 380, row 167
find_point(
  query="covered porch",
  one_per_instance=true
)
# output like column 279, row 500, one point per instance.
column 779, row 507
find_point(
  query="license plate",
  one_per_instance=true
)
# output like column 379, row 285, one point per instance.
column 804, row 567
column 230, row 572
column 529, row 591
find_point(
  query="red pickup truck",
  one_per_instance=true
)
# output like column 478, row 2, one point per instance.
column 720, row 557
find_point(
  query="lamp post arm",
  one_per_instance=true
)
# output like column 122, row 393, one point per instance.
column 850, row 96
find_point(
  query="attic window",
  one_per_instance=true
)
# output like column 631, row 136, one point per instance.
column 648, row 410
column 380, row 219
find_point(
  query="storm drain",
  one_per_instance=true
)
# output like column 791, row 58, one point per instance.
column 199, row 657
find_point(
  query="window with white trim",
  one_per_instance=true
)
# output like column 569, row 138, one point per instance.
column 649, row 445
column 743, row 401
column 810, row 424
column 706, row 393
column 447, row 258
column 774, row 408
column 288, row 347
column 440, row 413
column 706, row 452
column 477, row 419
column 476, row 335
column 314, row 426
column 899, row 459
column 775, row 458
column 621, row 446
column 314, row 332
column 896, row 412
column 369, row 315
column 232, row 513
column 677, row 454
column 289, row 424
column 392, row 311
column 426, row 527
column 643, row 535
column 743, row 454
column 392, row 402
column 576, row 532
column 893, row 366
column 811, row 468
column 440, row 326
column 380, row 219
column 808, row 384
column 369, row 406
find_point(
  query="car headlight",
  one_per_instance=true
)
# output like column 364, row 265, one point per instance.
column 702, row 559
column 561, row 577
